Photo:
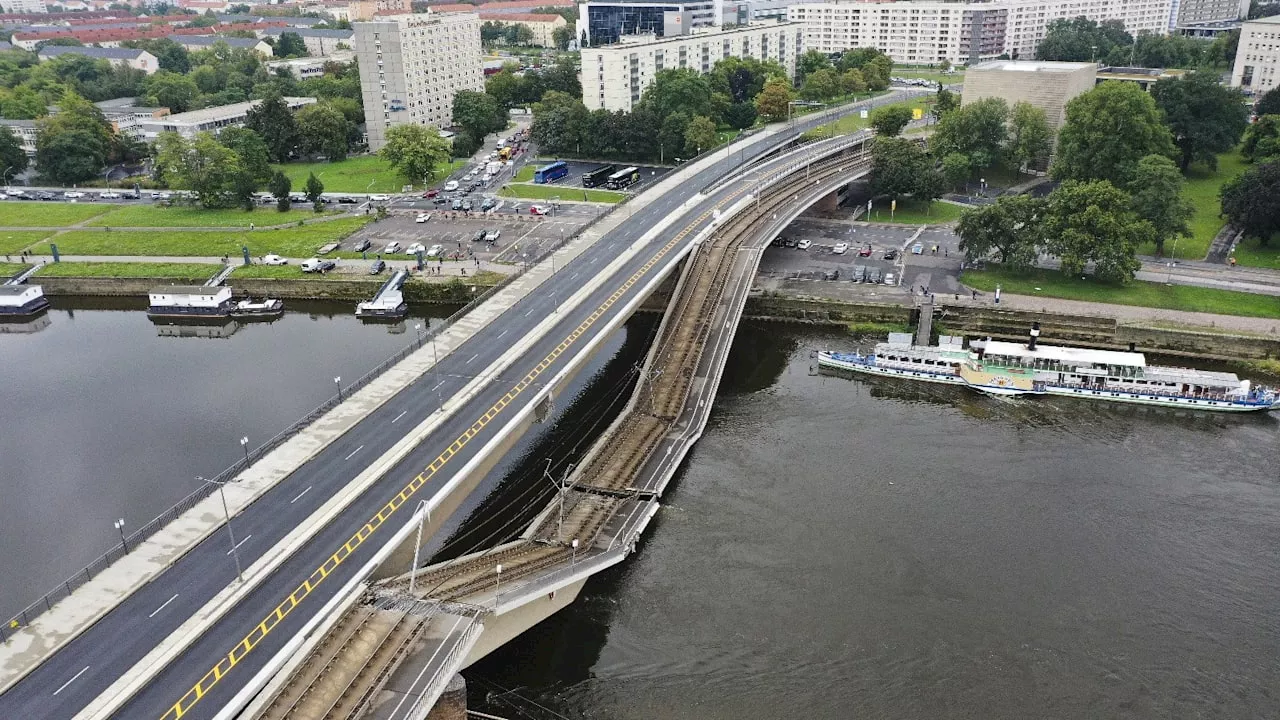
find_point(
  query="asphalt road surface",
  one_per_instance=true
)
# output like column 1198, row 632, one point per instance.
column 86, row 666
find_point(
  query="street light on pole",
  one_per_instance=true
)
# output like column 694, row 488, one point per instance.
column 231, row 535
column 244, row 445
column 573, row 557
column 119, row 525
column 424, row 513
column 337, row 380
column 418, row 328
column 498, row 587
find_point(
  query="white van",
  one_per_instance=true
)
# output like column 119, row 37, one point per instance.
column 451, row 186
column 311, row 265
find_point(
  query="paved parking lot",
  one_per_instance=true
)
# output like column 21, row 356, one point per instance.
column 521, row 236
column 510, row 206
column 573, row 181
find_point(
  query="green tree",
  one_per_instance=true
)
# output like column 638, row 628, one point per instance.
column 416, row 152
column 504, row 86
column 558, row 122
column 945, row 102
column 977, row 130
column 955, row 169
column 314, row 190
column 280, row 186
column 251, row 151
column 1082, row 40
column 741, row 78
column 561, row 76
column 877, row 72
column 73, row 145
column 1205, row 117
column 275, row 124
column 324, row 129
column 810, row 62
column 169, row 55
column 1029, row 135
column 821, row 84
column 12, row 155
column 22, row 103
column 1157, row 198
column 740, row 116
column 290, row 44
column 202, row 165
column 1251, row 201
column 901, row 167
column 889, row 120
column 679, row 90
column 1010, row 228
column 1221, row 52
column 478, row 113
column 1269, row 103
column 1262, row 140
column 171, row 90
column 1094, row 222
column 671, row 135
column 1107, row 131
column 852, row 82
column 773, row 101
column 700, row 135
column 561, row 37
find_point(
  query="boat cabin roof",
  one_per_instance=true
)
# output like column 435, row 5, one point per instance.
column 17, row 290
column 1067, row 355
column 190, row 290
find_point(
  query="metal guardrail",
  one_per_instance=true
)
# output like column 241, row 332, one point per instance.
column 448, row 666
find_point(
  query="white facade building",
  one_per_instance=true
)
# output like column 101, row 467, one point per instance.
column 1257, row 66
column 615, row 76
column 212, row 119
column 928, row 31
column 412, row 65
column 25, row 7
column 1198, row 12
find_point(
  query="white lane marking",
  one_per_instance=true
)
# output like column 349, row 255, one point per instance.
column 65, row 684
column 530, row 312
column 473, row 357
column 571, row 277
column 504, row 332
column 299, row 496
column 166, row 604
column 400, row 415
column 237, row 547
column 353, row 452
column 437, row 387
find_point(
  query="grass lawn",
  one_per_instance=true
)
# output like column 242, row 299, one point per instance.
column 8, row 270
column 48, row 214
column 854, row 121
column 1201, row 189
column 914, row 212
column 935, row 75
column 14, row 242
column 187, row 216
column 195, row 272
column 294, row 272
column 546, row 192
column 355, row 174
column 1251, row 252
column 525, row 173
column 298, row 242
column 1050, row 283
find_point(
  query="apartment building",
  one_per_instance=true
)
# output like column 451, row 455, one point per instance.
column 211, row 119
column 318, row 42
column 125, row 57
column 963, row 32
column 542, row 25
column 1190, row 13
column 412, row 65
column 604, row 22
column 615, row 76
column 1257, row 65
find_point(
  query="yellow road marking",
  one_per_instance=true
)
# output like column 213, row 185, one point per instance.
column 318, row 576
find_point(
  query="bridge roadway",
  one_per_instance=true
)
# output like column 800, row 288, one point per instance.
column 206, row 676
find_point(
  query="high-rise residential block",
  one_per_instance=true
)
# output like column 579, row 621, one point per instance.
column 1257, row 66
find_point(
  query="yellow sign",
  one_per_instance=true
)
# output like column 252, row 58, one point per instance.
column 893, row 205
column 917, row 113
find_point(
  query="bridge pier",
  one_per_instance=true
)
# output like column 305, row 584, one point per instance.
column 827, row 204
column 452, row 704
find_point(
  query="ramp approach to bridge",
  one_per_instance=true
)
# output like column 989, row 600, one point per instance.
column 171, row 631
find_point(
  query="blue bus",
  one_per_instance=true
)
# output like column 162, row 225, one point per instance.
column 551, row 173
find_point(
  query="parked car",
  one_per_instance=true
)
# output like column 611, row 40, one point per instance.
column 451, row 186
column 379, row 198
column 346, row 199
column 538, row 210
column 415, row 248
column 431, row 193
column 456, row 204
column 479, row 236
column 110, row 195
column 45, row 196
column 440, row 200
column 488, row 204
column 377, row 267
column 466, row 205
column 297, row 198
column 891, row 255
column 422, row 217
column 73, row 194
column 865, row 251
column 391, row 248
column 789, row 242
column 4, row 196
column 435, row 250
column 840, row 248
column 492, row 235
column 917, row 249
column 274, row 260
column 889, row 279
column 362, row 245
column 804, row 244
column 17, row 192
column 317, row 265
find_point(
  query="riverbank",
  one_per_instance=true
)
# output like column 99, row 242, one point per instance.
column 1192, row 335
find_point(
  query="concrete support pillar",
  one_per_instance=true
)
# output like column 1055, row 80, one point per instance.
column 827, row 205
column 452, row 704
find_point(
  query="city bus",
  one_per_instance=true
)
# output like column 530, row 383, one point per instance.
column 625, row 177
column 598, row 176
column 551, row 173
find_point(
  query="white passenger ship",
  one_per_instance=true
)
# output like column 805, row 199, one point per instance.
column 1005, row 368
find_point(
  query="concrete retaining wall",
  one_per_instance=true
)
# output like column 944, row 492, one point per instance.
column 450, row 292
column 825, row 312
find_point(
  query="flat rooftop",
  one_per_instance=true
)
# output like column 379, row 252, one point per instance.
column 1069, row 355
column 1031, row 66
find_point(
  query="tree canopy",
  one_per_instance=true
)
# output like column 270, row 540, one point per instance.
column 1080, row 39
column 1011, row 228
column 1092, row 222
column 889, row 120
column 73, row 146
column 1262, row 140
column 1251, row 200
column 1107, row 131
column 1205, row 117
column 415, row 152
column 1157, row 198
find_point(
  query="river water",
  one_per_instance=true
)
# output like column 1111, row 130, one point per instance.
column 840, row 548
column 833, row 548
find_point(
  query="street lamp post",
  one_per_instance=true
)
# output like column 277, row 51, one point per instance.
column 418, row 328
column 244, row 445
column 231, row 535
column 573, row 557
column 338, row 381
column 119, row 525
column 497, row 587
column 424, row 513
